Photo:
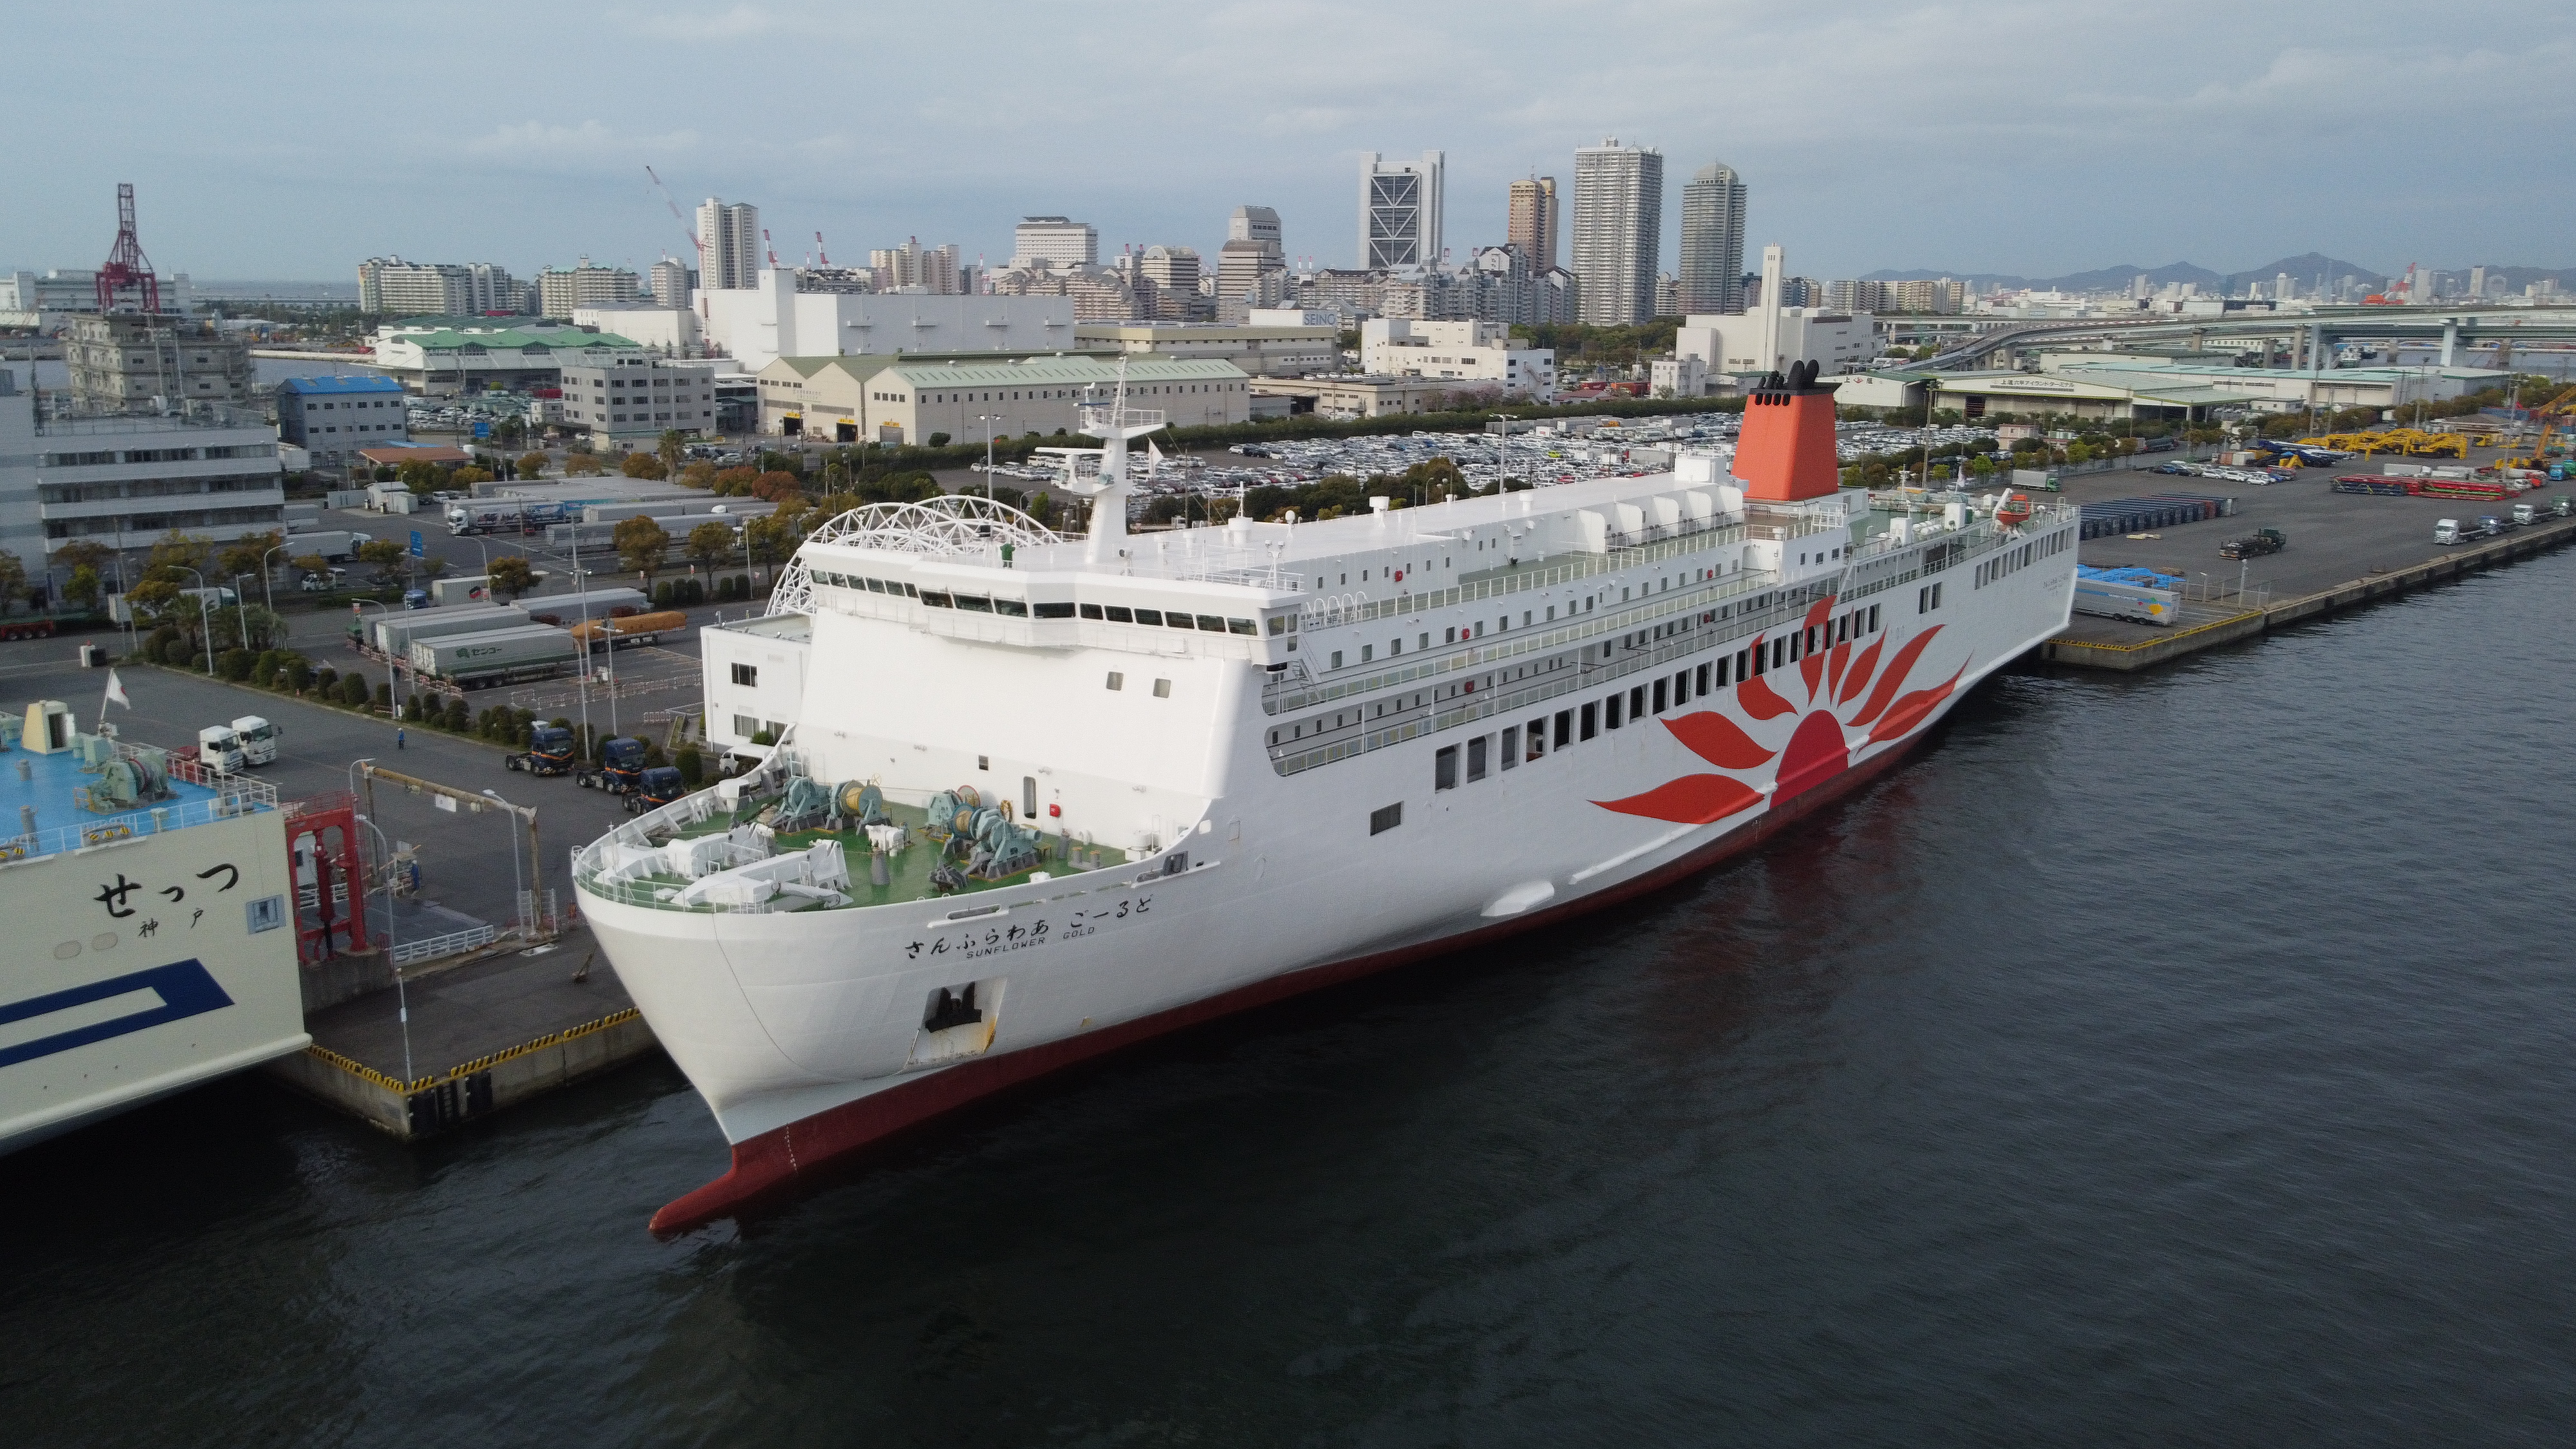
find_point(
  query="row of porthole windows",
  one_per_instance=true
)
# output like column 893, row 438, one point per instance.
column 1524, row 744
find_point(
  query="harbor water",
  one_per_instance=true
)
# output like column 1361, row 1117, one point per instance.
column 2184, row 1058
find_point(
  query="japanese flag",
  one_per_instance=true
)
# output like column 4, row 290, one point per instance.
column 116, row 691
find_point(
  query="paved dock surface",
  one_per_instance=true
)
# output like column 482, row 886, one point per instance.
column 464, row 1012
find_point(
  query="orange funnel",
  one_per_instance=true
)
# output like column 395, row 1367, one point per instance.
column 1786, row 451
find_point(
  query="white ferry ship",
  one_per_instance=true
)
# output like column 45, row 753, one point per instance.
column 1034, row 798
column 156, row 942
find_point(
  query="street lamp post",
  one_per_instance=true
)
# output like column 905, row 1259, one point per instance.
column 518, row 886
column 266, row 593
column 241, row 604
column 206, row 614
column 988, row 419
column 402, row 994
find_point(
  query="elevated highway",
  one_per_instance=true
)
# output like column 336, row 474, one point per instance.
column 2309, row 334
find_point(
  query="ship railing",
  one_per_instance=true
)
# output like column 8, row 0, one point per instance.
column 147, row 820
column 1280, row 693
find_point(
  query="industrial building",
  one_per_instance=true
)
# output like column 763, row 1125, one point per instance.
column 774, row 320
column 331, row 418
column 630, row 401
column 671, row 331
column 2129, row 385
column 1263, row 350
column 1618, row 231
column 1351, row 396
column 1400, row 211
column 1770, row 337
column 1458, row 352
column 447, row 355
column 129, row 361
column 909, row 399
column 124, row 481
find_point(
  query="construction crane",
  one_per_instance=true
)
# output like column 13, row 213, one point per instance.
column 821, row 257
column 767, row 247
column 126, row 269
column 697, row 248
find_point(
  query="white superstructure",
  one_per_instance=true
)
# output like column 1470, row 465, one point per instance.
column 1033, row 797
column 153, row 918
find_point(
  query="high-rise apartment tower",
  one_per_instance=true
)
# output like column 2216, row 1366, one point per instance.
column 1712, row 274
column 1532, row 227
column 1618, row 231
column 728, row 245
column 1400, row 211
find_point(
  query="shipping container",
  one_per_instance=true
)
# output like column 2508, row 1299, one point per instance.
column 632, row 630
column 588, row 603
column 469, row 660
column 392, row 634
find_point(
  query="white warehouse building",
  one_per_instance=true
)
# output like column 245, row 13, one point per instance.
column 1469, row 351
column 774, row 320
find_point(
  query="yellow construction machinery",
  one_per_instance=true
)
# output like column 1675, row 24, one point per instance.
column 2408, row 442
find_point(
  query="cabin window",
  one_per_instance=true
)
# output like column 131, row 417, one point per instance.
column 1386, row 818
column 1053, row 611
column 1537, row 737
column 1873, row 618
column 1211, row 624
column 1610, row 712
column 747, row 675
column 1117, row 680
column 1162, row 689
column 1565, row 728
column 1118, row 614
column 1149, row 616
column 1511, row 747
column 1240, row 626
column 1702, row 689
column 1637, row 703
column 1175, row 621
column 1444, row 768
column 1660, row 702
column 1476, row 756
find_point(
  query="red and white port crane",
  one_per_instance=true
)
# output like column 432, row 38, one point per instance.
column 127, row 272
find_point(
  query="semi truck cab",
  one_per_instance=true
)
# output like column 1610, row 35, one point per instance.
column 258, row 739
column 219, row 750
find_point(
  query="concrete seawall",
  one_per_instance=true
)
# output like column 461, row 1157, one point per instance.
column 468, row 1090
column 2147, row 652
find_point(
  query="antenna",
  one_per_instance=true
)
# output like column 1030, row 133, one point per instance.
column 126, row 269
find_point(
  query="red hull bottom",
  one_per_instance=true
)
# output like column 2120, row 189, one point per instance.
column 767, row 1165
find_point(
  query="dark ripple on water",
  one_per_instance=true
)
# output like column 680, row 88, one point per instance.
column 2183, row 1059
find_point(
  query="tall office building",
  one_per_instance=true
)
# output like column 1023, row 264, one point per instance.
column 1712, row 275
column 1252, row 267
column 1254, row 224
column 1054, row 241
column 729, row 249
column 1618, row 231
column 671, row 281
column 1532, row 227
column 1400, row 212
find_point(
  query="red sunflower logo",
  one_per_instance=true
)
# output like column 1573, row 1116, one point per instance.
column 1819, row 745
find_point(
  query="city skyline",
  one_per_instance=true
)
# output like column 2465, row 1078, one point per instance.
column 2289, row 110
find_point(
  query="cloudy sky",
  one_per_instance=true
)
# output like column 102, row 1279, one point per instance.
column 2036, row 137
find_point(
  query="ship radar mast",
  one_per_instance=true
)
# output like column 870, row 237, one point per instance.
column 1115, row 425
